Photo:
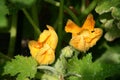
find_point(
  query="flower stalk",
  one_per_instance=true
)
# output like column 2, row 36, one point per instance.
column 34, row 25
column 13, row 34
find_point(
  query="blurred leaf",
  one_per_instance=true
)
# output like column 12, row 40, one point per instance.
column 90, row 70
column 23, row 67
column 109, row 70
column 104, row 17
column 110, row 61
column 112, row 34
column 105, row 6
column 116, row 13
column 112, row 55
column 110, row 17
column 3, row 21
column 108, row 24
column 25, row 2
column 112, row 29
column 3, row 12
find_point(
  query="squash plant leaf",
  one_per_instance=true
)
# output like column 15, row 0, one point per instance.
column 105, row 6
column 111, row 55
column 111, row 12
column 23, row 67
column 90, row 70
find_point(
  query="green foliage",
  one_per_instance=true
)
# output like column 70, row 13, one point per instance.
column 105, row 6
column 116, row 13
column 15, row 5
column 111, row 55
column 84, row 67
column 90, row 70
column 23, row 67
column 109, row 16
column 3, row 12
column 12, row 7
column 25, row 2
column 112, row 30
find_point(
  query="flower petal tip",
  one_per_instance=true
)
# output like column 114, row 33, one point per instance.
column 72, row 27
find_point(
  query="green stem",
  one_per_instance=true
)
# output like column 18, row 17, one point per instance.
column 90, row 7
column 34, row 13
column 60, row 21
column 83, row 6
column 67, row 9
column 48, row 68
column 53, row 2
column 13, row 33
column 4, row 56
column 73, row 74
column 35, row 27
column 106, row 45
column 60, row 24
column 76, row 20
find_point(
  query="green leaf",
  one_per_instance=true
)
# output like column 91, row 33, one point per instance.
column 85, row 67
column 112, row 34
column 111, row 24
column 110, row 17
column 116, row 13
column 3, row 12
column 111, row 55
column 112, row 29
column 105, row 6
column 110, row 60
column 90, row 70
column 3, row 21
column 23, row 67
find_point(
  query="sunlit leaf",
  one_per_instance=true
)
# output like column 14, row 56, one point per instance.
column 112, row 30
column 110, row 18
column 23, row 67
column 105, row 6
column 112, row 34
column 116, row 13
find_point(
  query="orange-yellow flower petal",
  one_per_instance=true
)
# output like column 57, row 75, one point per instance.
column 89, row 23
column 49, row 37
column 34, row 47
column 86, row 36
column 72, row 27
column 85, row 40
column 46, row 55
column 43, row 50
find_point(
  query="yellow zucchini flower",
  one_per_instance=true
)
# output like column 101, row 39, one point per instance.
column 43, row 50
column 83, row 37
